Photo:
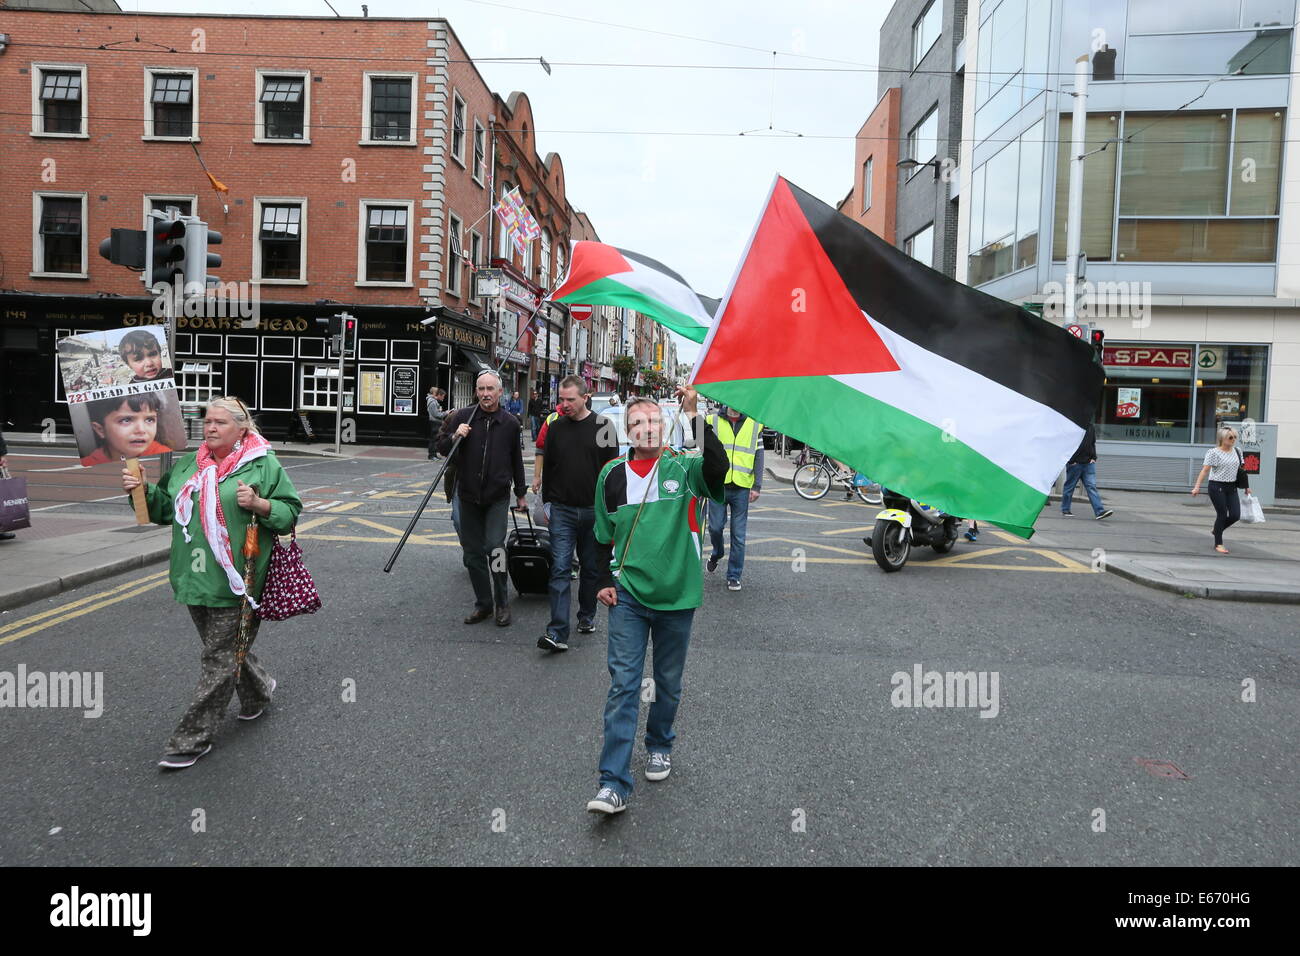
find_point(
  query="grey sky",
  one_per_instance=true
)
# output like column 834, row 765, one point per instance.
column 624, row 132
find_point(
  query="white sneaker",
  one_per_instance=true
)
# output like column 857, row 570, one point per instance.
column 658, row 766
column 260, row 712
column 607, row 801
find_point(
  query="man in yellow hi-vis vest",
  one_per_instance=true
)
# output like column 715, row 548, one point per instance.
column 742, row 437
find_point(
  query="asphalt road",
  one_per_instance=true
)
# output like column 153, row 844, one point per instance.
column 467, row 745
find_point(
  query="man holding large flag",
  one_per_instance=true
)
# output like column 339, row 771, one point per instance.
column 649, row 519
column 941, row 392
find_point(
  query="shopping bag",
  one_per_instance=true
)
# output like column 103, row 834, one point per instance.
column 14, row 511
column 1251, row 510
column 541, row 512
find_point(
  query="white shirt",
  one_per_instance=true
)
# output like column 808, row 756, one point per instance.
column 1223, row 464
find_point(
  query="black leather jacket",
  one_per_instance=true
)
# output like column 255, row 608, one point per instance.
column 488, row 458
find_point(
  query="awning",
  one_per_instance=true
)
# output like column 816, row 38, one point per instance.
column 474, row 361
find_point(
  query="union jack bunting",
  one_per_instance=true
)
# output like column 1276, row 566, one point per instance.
column 517, row 220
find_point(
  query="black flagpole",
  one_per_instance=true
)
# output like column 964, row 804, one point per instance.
column 455, row 445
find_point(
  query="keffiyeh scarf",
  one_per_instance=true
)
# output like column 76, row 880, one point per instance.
column 204, row 481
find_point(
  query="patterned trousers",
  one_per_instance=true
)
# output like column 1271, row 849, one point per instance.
column 219, row 630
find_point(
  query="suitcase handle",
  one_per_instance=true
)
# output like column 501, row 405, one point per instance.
column 514, row 517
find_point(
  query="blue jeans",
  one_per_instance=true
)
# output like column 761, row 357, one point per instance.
column 1088, row 472
column 737, row 499
column 482, row 531
column 631, row 627
column 572, row 529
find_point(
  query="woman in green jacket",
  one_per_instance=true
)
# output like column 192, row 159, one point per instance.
column 209, row 497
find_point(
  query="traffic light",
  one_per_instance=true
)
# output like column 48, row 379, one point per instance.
column 164, row 249
column 197, row 259
column 124, row 247
column 349, row 334
column 1099, row 344
column 335, row 324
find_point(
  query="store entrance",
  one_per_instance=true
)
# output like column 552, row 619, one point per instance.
column 21, row 406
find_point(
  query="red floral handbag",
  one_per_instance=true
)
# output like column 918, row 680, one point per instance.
column 289, row 589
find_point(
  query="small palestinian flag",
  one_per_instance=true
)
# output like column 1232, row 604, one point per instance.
column 934, row 389
column 603, row 275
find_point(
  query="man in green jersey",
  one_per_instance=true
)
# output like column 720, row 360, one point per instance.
column 650, row 507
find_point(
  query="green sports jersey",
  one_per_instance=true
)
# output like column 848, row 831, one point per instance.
column 659, row 563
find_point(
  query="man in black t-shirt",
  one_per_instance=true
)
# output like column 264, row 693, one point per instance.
column 578, row 444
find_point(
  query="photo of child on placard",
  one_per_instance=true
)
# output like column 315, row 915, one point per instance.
column 121, row 394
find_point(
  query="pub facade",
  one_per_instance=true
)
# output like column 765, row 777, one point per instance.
column 279, row 363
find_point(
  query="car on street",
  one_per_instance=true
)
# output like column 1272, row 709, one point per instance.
column 603, row 400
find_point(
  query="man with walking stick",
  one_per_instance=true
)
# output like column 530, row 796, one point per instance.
column 488, row 460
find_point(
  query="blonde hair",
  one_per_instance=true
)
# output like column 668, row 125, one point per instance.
column 237, row 409
column 1223, row 432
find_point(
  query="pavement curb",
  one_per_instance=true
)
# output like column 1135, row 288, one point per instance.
column 1194, row 590
column 1208, row 592
column 35, row 592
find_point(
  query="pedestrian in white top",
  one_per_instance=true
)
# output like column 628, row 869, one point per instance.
column 1222, row 464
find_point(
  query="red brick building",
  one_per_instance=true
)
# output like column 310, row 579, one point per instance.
column 356, row 153
column 537, row 270
column 872, row 202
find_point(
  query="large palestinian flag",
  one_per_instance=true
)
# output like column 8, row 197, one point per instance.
column 603, row 275
column 936, row 390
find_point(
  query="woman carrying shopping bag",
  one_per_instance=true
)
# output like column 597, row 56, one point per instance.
column 1227, row 471
column 210, row 497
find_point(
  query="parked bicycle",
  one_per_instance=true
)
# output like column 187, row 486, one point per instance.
column 815, row 478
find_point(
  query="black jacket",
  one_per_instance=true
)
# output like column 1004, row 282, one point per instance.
column 488, row 458
column 4, row 449
column 1087, row 450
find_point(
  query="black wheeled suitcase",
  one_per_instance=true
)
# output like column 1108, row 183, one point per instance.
column 528, row 556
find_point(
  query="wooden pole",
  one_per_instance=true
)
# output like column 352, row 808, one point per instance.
column 251, row 551
column 137, row 493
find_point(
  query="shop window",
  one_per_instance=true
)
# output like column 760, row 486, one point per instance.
column 184, row 343
column 1148, row 392
column 1231, row 382
column 311, row 348
column 241, row 344
column 372, row 349
column 281, row 347
column 320, row 387
column 241, row 380
column 207, row 344
column 197, row 383
column 277, row 387
column 405, row 350
column 372, row 389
